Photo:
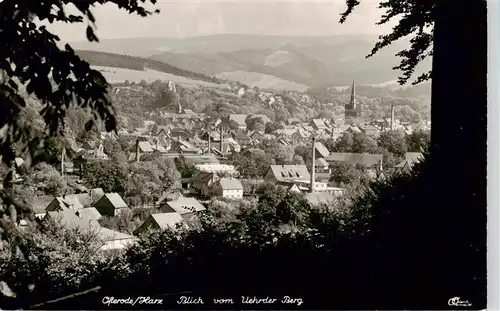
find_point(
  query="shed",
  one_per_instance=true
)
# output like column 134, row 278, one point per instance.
column 110, row 204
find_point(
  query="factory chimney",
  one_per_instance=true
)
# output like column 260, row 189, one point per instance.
column 313, row 168
column 392, row 117
column 62, row 161
column 221, row 140
column 137, row 150
column 209, row 142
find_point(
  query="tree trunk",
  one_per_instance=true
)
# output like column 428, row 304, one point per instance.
column 458, row 146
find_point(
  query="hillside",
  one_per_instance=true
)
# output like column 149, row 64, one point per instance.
column 314, row 62
column 148, row 46
column 139, row 65
column 262, row 81
column 310, row 61
column 119, row 75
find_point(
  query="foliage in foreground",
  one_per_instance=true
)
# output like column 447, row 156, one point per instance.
column 392, row 248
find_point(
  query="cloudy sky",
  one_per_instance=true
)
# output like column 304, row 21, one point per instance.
column 184, row 18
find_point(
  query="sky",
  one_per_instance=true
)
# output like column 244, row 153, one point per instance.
column 184, row 18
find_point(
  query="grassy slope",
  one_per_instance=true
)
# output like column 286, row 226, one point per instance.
column 139, row 64
column 119, row 75
column 262, row 81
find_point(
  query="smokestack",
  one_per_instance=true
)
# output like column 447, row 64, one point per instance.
column 209, row 142
column 137, row 150
column 313, row 169
column 221, row 139
column 392, row 117
column 62, row 161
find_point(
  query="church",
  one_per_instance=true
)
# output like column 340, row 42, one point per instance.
column 353, row 108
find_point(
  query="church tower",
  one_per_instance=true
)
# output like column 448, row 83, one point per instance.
column 352, row 109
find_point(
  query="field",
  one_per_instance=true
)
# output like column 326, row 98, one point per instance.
column 120, row 75
column 262, row 81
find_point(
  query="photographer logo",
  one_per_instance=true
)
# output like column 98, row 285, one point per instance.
column 456, row 302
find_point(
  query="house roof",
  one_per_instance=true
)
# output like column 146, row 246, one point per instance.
column 355, row 158
column 40, row 203
column 145, row 146
column 321, row 149
column 321, row 162
column 263, row 117
column 290, row 172
column 202, row 177
column 82, row 199
column 169, row 196
column 67, row 204
column 239, row 119
column 70, row 220
column 230, row 184
column 167, row 220
column 111, row 235
column 316, row 198
column 90, row 212
column 319, row 123
column 239, row 134
column 115, row 199
column 185, row 205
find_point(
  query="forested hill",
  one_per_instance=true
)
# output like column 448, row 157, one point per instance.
column 136, row 63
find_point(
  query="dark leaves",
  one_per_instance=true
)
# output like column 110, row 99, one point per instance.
column 90, row 35
column 416, row 16
column 54, row 77
column 89, row 125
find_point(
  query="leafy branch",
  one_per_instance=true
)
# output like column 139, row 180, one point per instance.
column 416, row 18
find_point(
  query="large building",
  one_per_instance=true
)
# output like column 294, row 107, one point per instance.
column 353, row 108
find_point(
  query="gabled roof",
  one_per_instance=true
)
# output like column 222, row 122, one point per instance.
column 167, row 220
column 90, row 212
column 239, row 134
column 321, row 162
column 263, row 117
column 230, row 184
column 70, row 220
column 82, row 199
column 169, row 196
column 185, row 205
column 115, row 199
column 355, row 158
column 202, row 177
column 321, row 149
column 318, row 123
column 145, row 146
column 40, row 203
column 66, row 204
column 290, row 172
column 239, row 119
column 111, row 235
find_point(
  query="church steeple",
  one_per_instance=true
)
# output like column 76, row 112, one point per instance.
column 352, row 102
column 351, row 109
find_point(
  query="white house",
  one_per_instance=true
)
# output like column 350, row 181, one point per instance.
column 216, row 168
column 230, row 188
